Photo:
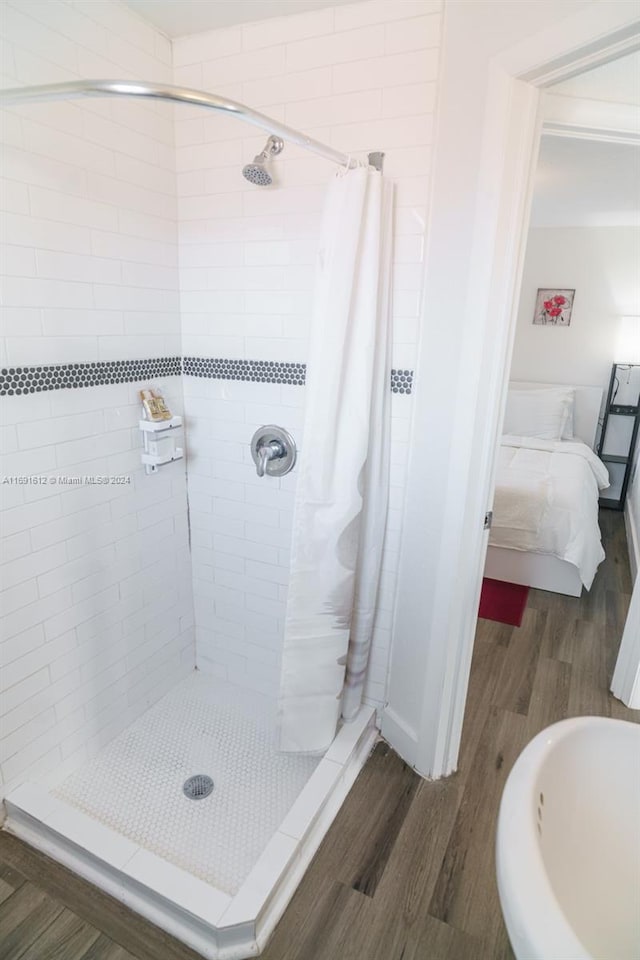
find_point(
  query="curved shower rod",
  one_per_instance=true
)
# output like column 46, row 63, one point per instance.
column 166, row 91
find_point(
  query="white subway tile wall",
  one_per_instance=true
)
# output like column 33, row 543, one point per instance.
column 361, row 78
column 97, row 601
column 96, row 607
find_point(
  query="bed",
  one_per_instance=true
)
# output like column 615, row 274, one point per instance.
column 545, row 531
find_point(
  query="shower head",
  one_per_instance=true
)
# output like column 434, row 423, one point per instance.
column 257, row 172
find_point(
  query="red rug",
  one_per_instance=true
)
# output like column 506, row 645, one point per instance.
column 504, row 602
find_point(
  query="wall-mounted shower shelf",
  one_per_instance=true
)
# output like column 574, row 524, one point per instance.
column 152, row 460
column 159, row 445
column 159, row 426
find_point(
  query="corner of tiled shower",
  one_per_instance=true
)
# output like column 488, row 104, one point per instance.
column 131, row 236
column 97, row 601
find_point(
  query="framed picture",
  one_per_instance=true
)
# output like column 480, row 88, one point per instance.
column 553, row 307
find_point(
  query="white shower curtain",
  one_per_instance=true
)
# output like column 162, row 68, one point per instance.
column 343, row 476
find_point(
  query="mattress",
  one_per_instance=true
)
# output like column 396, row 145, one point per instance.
column 546, row 501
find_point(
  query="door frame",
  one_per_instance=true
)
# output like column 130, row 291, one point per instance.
column 625, row 683
column 444, row 544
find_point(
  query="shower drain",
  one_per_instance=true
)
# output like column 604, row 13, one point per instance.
column 198, row 787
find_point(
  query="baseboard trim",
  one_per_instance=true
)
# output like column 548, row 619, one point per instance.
column 400, row 735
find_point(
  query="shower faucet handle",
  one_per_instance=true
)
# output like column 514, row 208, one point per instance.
column 273, row 451
column 266, row 452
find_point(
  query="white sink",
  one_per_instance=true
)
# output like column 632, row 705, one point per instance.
column 568, row 844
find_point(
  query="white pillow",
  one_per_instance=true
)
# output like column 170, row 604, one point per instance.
column 566, row 395
column 567, row 433
column 546, row 413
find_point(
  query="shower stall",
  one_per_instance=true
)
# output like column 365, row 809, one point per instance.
column 202, row 800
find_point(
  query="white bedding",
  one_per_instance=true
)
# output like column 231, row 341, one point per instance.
column 546, row 501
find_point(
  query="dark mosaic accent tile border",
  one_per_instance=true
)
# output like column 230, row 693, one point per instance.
column 67, row 376
column 257, row 371
column 270, row 371
column 401, row 381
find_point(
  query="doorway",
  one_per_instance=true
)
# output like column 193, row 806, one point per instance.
column 579, row 287
column 483, row 174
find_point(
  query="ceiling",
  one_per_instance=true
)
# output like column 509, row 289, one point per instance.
column 177, row 18
column 583, row 183
column 617, row 81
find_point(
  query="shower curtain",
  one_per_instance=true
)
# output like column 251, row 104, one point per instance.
column 343, row 477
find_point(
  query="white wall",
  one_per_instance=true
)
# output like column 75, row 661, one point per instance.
column 96, row 599
column 360, row 77
column 601, row 264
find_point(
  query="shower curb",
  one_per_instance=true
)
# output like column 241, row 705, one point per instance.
column 209, row 921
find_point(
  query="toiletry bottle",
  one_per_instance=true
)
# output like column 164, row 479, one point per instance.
column 154, row 406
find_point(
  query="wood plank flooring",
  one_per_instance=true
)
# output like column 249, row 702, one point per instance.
column 407, row 870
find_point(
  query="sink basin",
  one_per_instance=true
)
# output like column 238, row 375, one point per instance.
column 568, row 843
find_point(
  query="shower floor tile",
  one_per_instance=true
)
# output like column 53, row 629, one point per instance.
column 135, row 784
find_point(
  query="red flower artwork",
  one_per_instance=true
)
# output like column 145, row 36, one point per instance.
column 553, row 307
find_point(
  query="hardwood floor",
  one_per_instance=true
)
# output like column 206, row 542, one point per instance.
column 407, row 870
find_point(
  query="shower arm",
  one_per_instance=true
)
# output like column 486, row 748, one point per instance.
column 165, row 91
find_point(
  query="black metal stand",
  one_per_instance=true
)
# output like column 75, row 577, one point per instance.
column 613, row 409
